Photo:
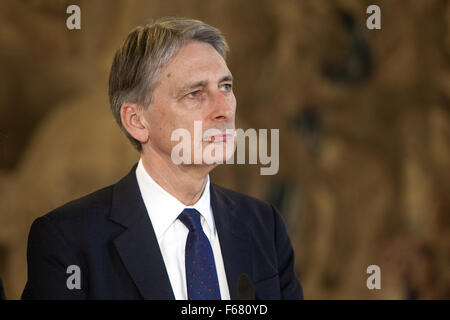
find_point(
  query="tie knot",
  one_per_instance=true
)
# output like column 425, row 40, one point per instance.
column 191, row 219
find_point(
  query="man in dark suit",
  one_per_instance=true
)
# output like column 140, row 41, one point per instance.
column 164, row 231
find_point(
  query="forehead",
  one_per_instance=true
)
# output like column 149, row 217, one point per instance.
column 195, row 61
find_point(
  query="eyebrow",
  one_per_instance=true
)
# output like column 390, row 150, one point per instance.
column 203, row 83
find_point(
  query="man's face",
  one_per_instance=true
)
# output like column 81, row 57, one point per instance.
column 195, row 85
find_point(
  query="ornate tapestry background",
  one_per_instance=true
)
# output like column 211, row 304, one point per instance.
column 364, row 119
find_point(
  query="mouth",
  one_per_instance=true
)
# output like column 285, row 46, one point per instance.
column 222, row 137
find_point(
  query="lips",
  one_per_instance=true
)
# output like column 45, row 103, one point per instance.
column 223, row 137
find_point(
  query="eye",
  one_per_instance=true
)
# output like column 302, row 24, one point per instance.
column 193, row 94
column 227, row 86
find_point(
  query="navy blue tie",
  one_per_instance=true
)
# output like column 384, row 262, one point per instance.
column 201, row 274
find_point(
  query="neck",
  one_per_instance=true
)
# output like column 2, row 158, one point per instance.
column 185, row 183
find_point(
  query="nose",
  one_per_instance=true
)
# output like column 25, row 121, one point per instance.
column 224, row 107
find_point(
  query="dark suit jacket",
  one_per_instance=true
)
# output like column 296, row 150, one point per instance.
column 109, row 235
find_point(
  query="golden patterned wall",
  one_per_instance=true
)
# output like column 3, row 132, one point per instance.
column 364, row 119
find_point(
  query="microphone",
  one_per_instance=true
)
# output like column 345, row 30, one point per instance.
column 245, row 289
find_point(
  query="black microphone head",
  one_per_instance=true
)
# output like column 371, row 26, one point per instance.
column 245, row 290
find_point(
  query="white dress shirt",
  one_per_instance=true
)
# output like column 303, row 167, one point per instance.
column 163, row 210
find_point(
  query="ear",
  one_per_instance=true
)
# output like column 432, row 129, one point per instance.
column 133, row 121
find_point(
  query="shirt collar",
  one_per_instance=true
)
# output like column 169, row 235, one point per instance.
column 163, row 208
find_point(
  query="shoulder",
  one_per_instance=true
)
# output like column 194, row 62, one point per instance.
column 247, row 209
column 75, row 222
column 95, row 203
column 241, row 199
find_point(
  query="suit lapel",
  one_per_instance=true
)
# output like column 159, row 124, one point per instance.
column 233, row 237
column 137, row 245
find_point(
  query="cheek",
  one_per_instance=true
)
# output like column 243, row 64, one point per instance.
column 158, row 125
column 233, row 103
column 166, row 123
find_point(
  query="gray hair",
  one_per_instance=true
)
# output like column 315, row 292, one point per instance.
column 135, row 69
